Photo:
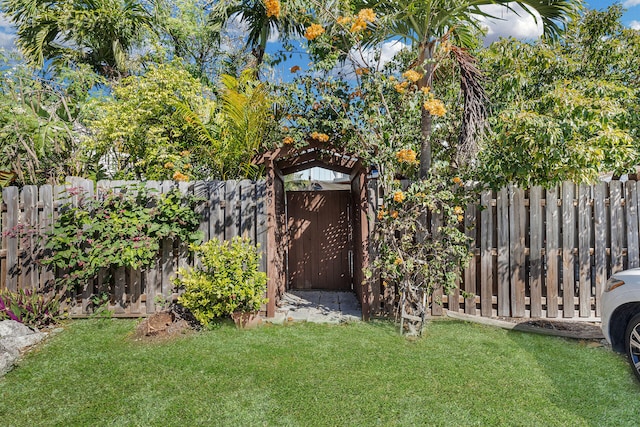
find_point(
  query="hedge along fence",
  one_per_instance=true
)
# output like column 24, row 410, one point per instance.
column 230, row 208
column 536, row 253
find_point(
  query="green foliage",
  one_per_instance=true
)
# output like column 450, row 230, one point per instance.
column 120, row 229
column 31, row 308
column 39, row 120
column 566, row 110
column 166, row 125
column 99, row 33
column 228, row 280
column 141, row 130
column 411, row 254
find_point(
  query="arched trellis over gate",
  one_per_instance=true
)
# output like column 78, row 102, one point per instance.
column 288, row 160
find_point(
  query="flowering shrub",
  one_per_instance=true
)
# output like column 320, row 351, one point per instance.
column 412, row 253
column 227, row 282
column 121, row 229
column 273, row 8
column 314, row 31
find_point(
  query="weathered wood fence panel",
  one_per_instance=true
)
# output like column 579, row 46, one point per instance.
column 547, row 253
column 231, row 208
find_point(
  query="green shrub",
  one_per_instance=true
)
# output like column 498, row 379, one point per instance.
column 228, row 280
column 28, row 307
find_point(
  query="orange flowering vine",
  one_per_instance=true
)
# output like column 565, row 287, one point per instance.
column 178, row 176
column 398, row 196
column 314, row 31
column 273, row 8
column 322, row 137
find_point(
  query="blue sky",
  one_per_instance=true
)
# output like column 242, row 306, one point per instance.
column 511, row 25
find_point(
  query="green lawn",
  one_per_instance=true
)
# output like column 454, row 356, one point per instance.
column 360, row 374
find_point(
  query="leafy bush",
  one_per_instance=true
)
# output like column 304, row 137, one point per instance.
column 121, row 229
column 228, row 280
column 28, row 307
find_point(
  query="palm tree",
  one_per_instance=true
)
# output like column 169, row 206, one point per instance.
column 262, row 21
column 100, row 33
column 425, row 24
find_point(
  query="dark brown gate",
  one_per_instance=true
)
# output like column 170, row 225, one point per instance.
column 321, row 247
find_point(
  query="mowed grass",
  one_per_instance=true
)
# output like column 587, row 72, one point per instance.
column 361, row 374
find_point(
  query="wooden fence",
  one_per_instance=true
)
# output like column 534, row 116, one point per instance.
column 547, row 253
column 231, row 208
column 536, row 253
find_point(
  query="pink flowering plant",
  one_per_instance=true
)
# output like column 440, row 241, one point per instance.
column 118, row 229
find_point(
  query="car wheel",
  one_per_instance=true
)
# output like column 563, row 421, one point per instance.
column 632, row 344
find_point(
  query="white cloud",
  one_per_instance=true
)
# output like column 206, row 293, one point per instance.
column 635, row 25
column 510, row 23
column 631, row 3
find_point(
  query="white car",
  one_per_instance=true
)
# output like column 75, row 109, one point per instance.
column 620, row 315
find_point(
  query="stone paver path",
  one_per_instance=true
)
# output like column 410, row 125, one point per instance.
column 319, row 307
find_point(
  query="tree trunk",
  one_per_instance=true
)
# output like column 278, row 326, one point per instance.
column 426, row 121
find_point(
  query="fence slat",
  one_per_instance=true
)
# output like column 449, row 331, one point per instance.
column 470, row 276
column 553, row 243
column 568, row 244
column 600, row 239
column 28, row 271
column 486, row 257
column 10, row 198
column 631, row 206
column 247, row 192
column 231, row 210
column 615, row 205
column 261, row 225
column 535, row 252
column 216, row 211
column 47, row 276
column 502, row 214
column 584, row 247
column 517, row 224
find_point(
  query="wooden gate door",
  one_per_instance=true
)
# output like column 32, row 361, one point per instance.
column 320, row 249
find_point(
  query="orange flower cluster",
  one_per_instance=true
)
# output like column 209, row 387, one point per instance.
column 394, row 214
column 381, row 214
column 412, row 76
column 180, row 177
column 322, row 137
column 360, row 23
column 342, row 20
column 367, row 15
column 185, row 153
column 401, row 87
column 287, row 140
column 168, row 165
column 313, row 32
column 457, row 180
column 435, row 107
column 361, row 71
column 295, row 69
column 458, row 210
column 407, row 156
column 398, row 261
column 398, row 196
column 273, row 8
